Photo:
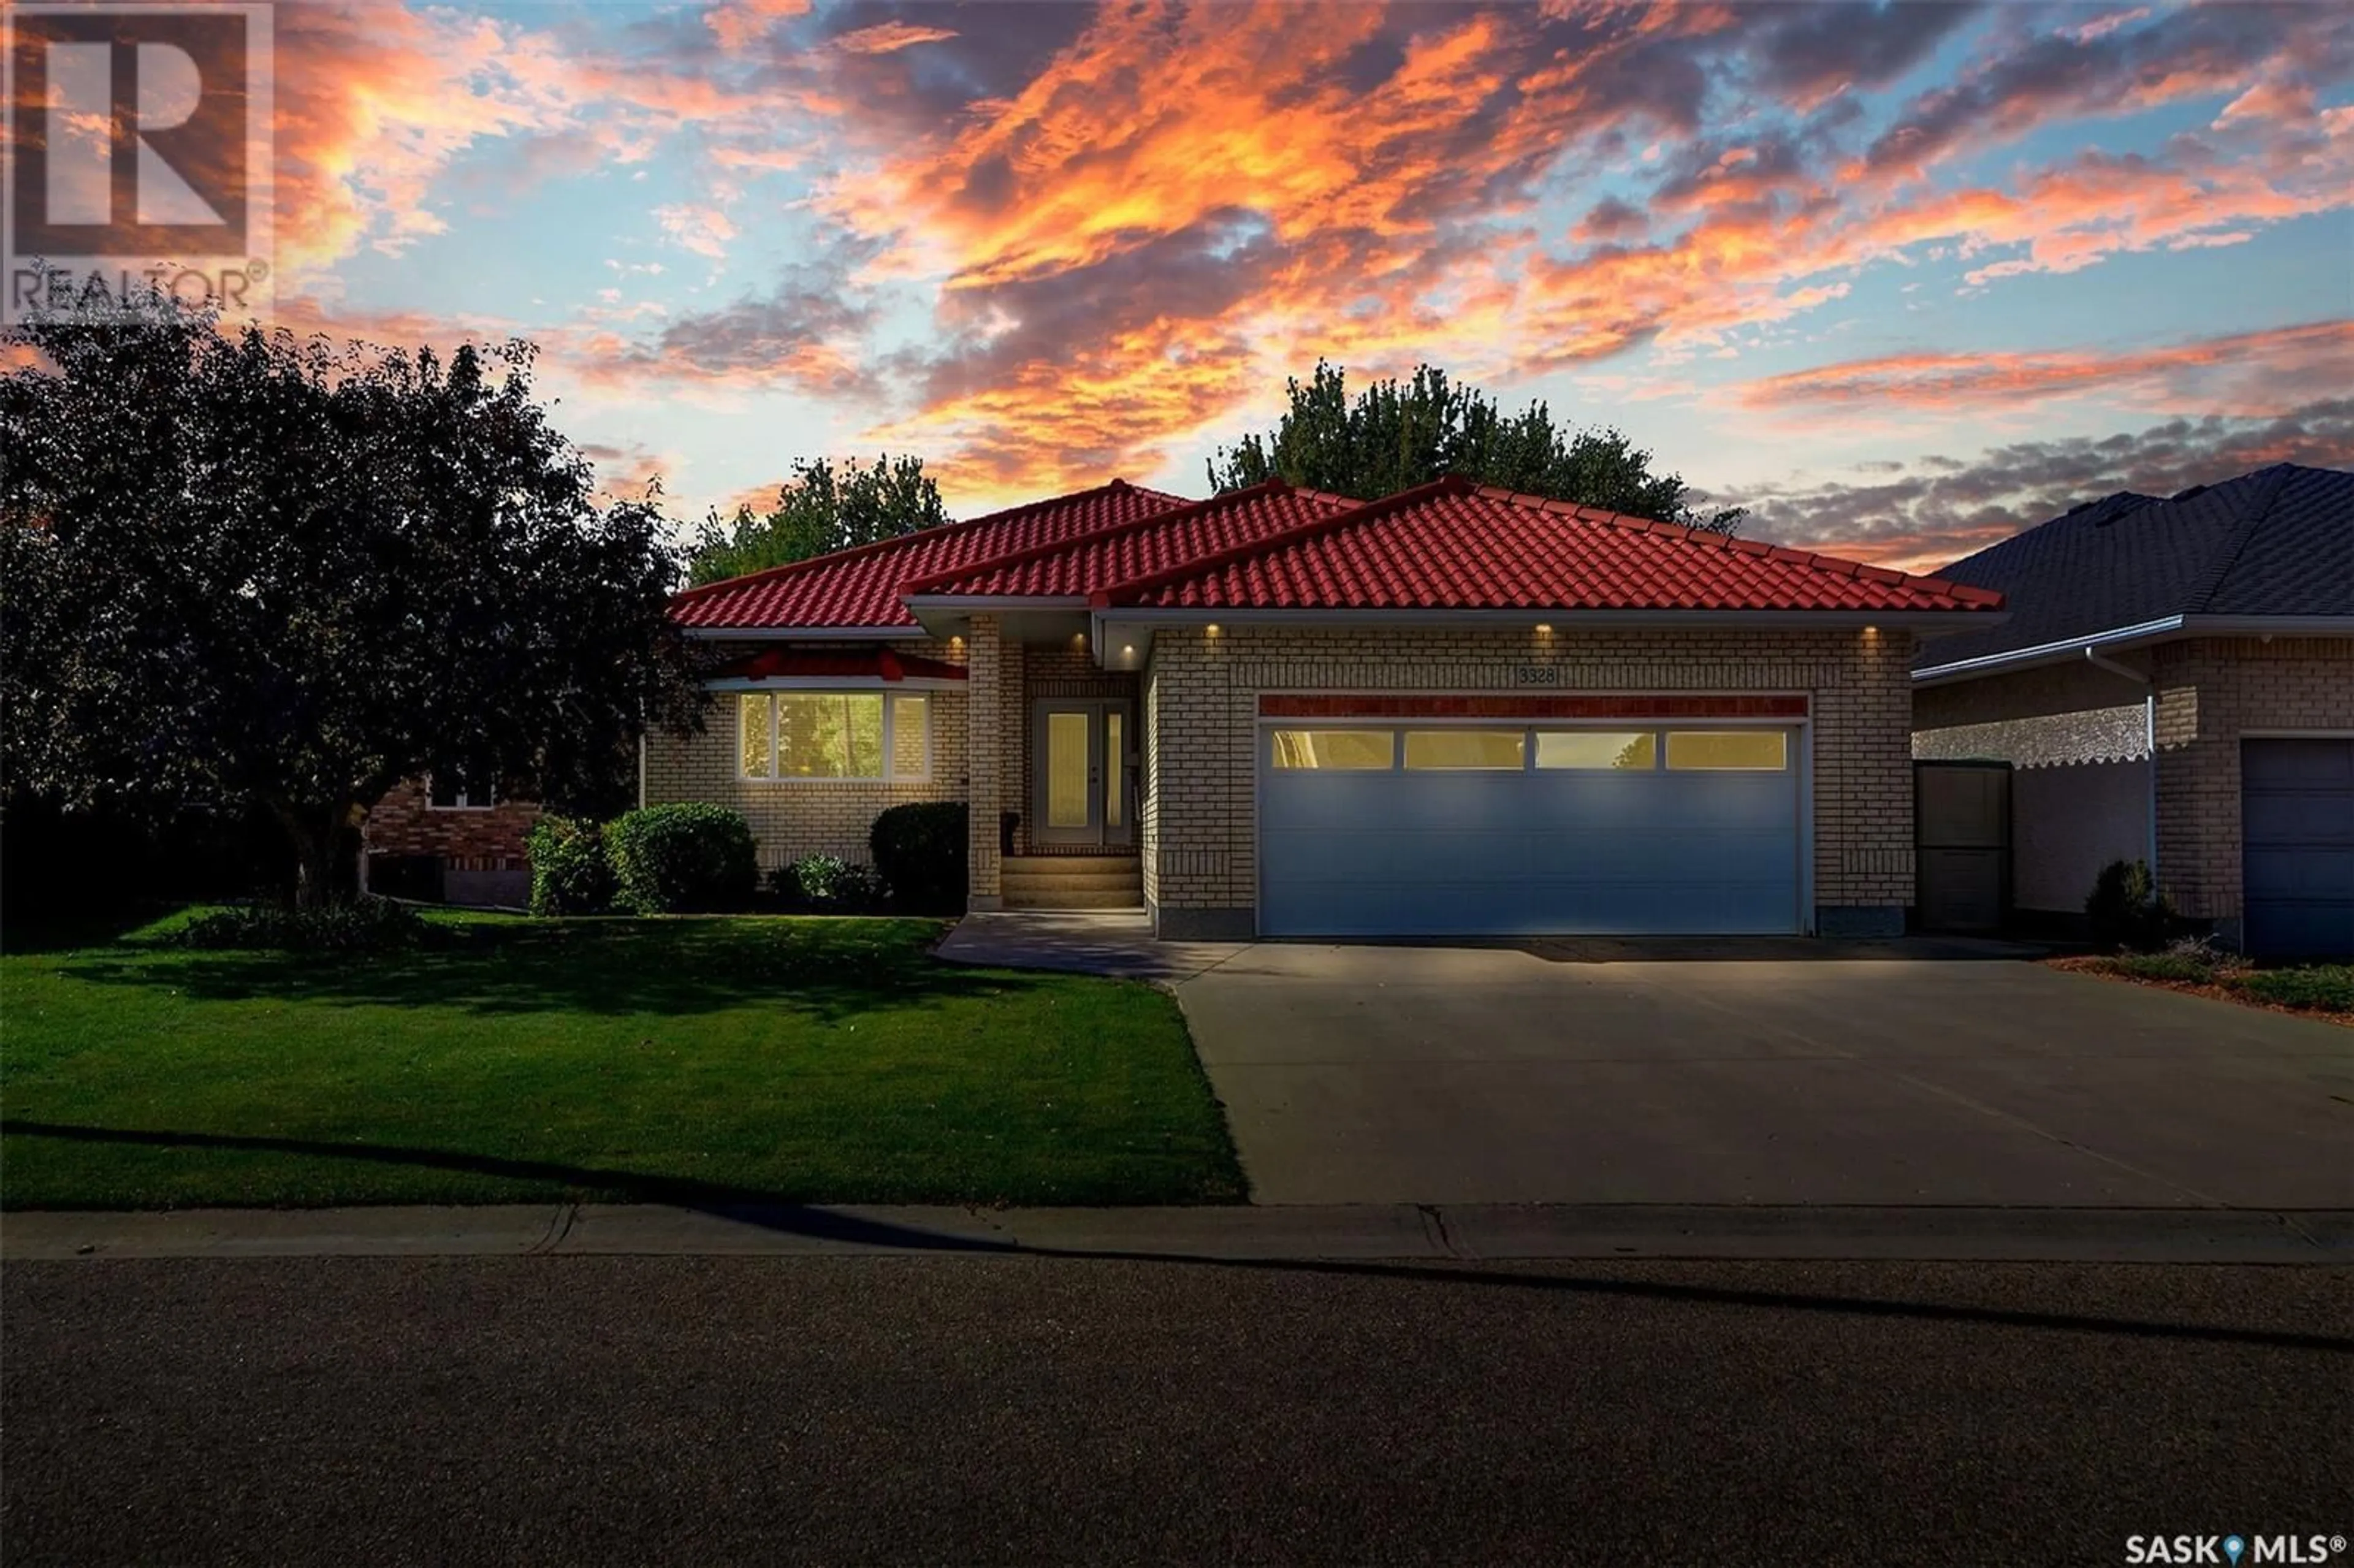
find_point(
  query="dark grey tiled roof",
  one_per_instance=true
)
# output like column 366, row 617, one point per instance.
column 2279, row 541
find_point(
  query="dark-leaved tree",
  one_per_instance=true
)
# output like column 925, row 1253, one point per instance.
column 819, row 510
column 1395, row 435
column 243, row 568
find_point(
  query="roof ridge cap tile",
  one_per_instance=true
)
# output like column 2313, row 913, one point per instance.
column 881, row 547
column 1348, row 516
column 1029, row 553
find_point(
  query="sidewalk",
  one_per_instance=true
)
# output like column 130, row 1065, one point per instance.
column 1407, row 1233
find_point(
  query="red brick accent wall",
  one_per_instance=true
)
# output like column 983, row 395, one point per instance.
column 1588, row 708
column 404, row 822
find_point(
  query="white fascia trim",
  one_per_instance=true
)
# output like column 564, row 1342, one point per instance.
column 917, row 603
column 831, row 684
column 2170, row 629
column 1790, row 619
column 804, row 633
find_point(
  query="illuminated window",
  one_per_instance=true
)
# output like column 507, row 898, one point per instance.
column 1597, row 749
column 1494, row 748
column 1751, row 750
column 1353, row 749
column 832, row 734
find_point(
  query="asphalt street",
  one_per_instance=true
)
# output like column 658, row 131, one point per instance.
column 965, row 1409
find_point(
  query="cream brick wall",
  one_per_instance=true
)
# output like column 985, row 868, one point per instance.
column 806, row 816
column 2212, row 692
column 1203, row 692
column 986, row 716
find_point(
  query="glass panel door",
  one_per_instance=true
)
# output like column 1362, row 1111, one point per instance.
column 1082, row 783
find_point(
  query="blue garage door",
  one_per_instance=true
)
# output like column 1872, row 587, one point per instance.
column 1401, row 832
column 2296, row 822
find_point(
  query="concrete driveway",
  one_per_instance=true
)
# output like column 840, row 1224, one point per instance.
column 1765, row 1074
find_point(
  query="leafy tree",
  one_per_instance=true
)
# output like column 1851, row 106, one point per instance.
column 245, row 569
column 1395, row 435
column 820, row 510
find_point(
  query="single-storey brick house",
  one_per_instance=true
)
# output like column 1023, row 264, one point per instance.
column 1455, row 710
column 2175, row 684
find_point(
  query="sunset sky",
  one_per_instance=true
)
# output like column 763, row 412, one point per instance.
column 1900, row 278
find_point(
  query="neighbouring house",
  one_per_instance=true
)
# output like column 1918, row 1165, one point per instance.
column 442, row 841
column 2176, row 685
column 1455, row 710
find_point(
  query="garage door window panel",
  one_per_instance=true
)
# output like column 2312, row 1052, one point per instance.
column 1728, row 750
column 1483, row 750
column 1336, row 750
column 1597, row 750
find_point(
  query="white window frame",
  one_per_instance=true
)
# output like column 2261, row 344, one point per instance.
column 891, row 696
column 459, row 800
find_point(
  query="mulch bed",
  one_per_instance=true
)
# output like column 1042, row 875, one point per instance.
column 2106, row 968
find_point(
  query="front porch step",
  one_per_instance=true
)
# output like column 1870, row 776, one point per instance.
column 1124, row 899
column 1024, row 863
column 1071, row 882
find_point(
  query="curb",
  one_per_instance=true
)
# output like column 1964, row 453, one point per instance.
column 1421, row 1232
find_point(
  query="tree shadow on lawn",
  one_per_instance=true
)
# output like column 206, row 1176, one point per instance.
column 823, row 970
column 750, row 1206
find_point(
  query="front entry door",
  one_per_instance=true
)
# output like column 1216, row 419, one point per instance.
column 1083, row 770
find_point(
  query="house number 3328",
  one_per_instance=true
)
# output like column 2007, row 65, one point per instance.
column 1536, row 675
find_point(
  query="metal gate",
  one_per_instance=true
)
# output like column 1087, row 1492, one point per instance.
column 1961, row 817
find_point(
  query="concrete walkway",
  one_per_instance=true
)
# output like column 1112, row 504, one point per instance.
column 1117, row 942
column 1407, row 1233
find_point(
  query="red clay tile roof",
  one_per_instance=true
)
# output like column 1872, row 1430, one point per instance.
column 1455, row 546
column 861, row 588
column 1450, row 545
column 874, row 663
column 1076, row 568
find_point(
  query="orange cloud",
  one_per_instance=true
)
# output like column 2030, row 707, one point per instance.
column 372, row 103
column 2263, row 368
column 887, row 38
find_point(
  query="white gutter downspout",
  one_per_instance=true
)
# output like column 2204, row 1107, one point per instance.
column 2094, row 657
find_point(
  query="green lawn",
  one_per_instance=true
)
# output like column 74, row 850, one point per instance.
column 700, row 1061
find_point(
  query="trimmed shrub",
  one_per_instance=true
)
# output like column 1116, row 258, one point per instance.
column 919, row 853
column 2125, row 908
column 569, row 872
column 827, row 884
column 2168, row 966
column 683, row 859
column 358, row 925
